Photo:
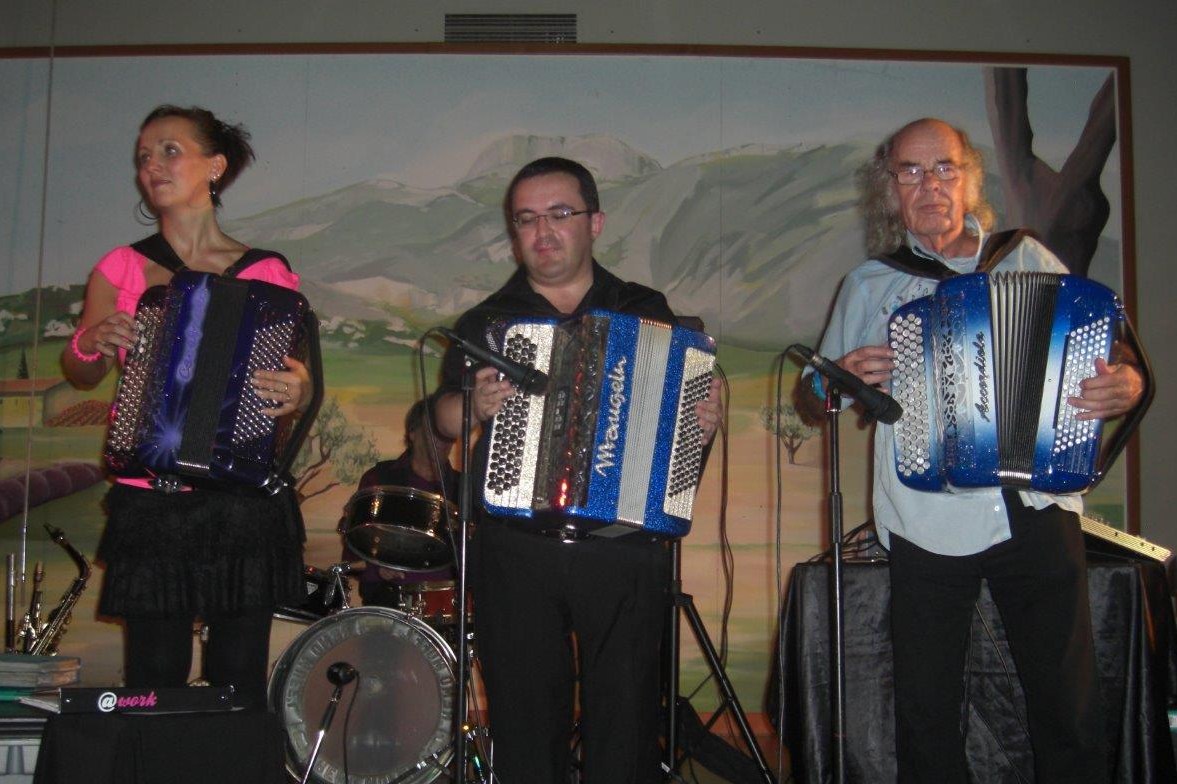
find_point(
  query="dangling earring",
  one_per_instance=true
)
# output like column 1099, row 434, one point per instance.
column 144, row 216
column 212, row 186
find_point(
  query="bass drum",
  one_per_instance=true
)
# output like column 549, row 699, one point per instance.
column 400, row 725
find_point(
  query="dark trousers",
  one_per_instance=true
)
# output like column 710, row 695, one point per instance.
column 159, row 653
column 544, row 607
column 1038, row 580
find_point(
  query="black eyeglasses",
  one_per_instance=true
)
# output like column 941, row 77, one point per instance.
column 914, row 175
column 530, row 220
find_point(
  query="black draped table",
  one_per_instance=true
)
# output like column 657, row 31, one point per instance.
column 1135, row 635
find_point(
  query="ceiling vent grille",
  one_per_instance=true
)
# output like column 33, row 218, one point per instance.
column 510, row 28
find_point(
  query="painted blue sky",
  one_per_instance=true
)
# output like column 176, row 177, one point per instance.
column 321, row 122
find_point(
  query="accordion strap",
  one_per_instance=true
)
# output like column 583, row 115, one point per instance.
column 997, row 246
column 161, row 252
column 158, row 250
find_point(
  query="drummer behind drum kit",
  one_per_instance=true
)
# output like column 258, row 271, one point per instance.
column 399, row 723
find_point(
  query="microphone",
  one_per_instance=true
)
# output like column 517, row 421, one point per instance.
column 877, row 403
column 341, row 673
column 528, row 379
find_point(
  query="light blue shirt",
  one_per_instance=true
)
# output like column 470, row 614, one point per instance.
column 961, row 522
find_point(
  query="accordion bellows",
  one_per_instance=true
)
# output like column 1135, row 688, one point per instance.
column 984, row 367
column 184, row 406
column 614, row 446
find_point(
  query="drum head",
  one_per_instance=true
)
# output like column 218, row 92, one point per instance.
column 398, row 527
column 400, row 723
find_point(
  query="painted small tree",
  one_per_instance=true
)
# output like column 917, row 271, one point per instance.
column 334, row 453
column 788, row 427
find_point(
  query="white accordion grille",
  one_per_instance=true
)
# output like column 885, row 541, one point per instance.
column 514, row 442
column 270, row 344
column 131, row 400
column 1084, row 344
column 686, row 450
column 912, row 432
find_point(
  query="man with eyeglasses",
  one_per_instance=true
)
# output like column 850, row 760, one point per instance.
column 550, row 608
column 924, row 208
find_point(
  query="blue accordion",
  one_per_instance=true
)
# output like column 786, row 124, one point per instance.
column 185, row 410
column 984, row 367
column 614, row 446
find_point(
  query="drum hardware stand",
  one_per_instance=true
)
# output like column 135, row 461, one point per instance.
column 686, row 603
column 338, row 585
column 430, row 761
column 478, row 760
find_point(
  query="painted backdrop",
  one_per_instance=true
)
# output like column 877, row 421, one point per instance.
column 728, row 182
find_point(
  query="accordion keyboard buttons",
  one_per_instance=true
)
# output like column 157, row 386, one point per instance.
column 912, row 431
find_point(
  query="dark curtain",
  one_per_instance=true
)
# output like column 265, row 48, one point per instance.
column 1133, row 620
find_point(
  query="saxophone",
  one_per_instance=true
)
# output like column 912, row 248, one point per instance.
column 42, row 639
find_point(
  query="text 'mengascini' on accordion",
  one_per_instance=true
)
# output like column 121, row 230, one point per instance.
column 184, row 408
column 984, row 367
column 614, row 446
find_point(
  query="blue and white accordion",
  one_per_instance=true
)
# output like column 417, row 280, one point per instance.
column 984, row 367
column 614, row 446
column 185, row 410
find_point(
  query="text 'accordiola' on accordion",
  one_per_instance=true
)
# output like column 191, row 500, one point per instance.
column 984, row 367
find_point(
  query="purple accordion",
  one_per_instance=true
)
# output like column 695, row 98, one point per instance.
column 185, row 410
column 615, row 445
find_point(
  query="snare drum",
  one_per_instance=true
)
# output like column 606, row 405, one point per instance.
column 398, row 527
column 399, row 727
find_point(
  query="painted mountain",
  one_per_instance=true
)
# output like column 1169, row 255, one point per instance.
column 754, row 239
column 759, row 235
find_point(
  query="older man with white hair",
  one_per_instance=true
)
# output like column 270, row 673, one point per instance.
column 925, row 208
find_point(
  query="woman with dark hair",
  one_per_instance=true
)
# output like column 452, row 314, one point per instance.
column 226, row 555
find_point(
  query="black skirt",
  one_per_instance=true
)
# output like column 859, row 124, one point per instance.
column 202, row 552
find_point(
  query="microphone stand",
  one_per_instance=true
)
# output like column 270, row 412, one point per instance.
column 837, row 624
column 324, row 725
column 465, row 510
column 883, row 408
